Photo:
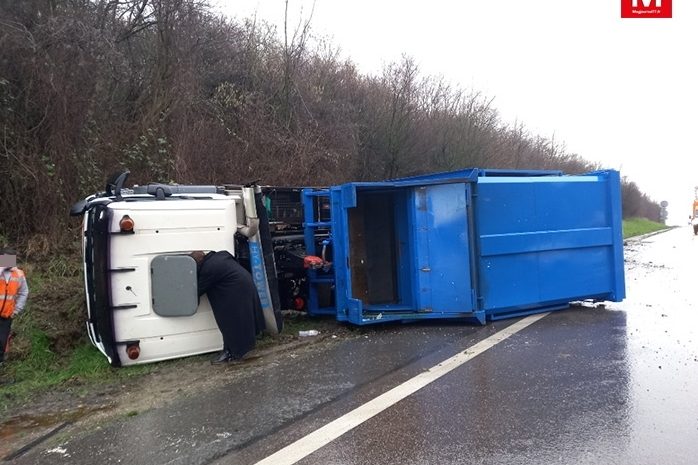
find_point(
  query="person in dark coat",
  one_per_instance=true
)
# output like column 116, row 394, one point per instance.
column 234, row 301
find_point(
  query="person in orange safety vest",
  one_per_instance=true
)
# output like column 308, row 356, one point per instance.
column 13, row 295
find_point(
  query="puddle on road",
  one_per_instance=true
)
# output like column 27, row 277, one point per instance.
column 21, row 424
column 662, row 346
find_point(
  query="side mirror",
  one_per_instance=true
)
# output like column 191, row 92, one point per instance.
column 78, row 208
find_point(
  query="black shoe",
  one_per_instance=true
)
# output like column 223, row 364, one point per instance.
column 224, row 357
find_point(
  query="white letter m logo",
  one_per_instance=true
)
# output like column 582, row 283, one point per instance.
column 646, row 3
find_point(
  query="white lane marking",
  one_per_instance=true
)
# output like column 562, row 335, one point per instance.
column 331, row 431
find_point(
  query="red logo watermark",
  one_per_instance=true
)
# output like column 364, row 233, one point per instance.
column 645, row 8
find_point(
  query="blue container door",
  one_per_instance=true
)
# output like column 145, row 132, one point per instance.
column 442, row 249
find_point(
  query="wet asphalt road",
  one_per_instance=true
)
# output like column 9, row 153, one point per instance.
column 614, row 385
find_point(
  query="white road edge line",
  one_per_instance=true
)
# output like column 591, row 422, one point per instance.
column 324, row 435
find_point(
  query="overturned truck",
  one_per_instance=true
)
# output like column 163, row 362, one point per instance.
column 474, row 245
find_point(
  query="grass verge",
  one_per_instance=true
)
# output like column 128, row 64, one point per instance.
column 43, row 370
column 638, row 226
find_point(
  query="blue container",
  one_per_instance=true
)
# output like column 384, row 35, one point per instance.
column 472, row 244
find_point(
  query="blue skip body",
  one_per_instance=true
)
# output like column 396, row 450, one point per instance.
column 472, row 244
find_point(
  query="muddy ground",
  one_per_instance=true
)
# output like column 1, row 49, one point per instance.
column 82, row 406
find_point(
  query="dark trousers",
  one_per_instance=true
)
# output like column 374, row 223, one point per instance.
column 5, row 325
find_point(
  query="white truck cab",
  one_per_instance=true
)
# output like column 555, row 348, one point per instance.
column 141, row 283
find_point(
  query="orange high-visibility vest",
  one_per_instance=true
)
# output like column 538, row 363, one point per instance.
column 9, row 291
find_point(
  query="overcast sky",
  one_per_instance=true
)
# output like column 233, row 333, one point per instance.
column 623, row 92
